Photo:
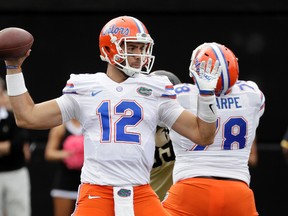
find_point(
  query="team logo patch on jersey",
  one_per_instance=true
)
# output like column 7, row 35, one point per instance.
column 144, row 91
column 124, row 193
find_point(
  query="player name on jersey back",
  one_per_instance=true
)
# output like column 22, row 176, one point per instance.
column 228, row 103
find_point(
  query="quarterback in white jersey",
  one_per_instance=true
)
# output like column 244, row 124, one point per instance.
column 119, row 111
column 120, row 130
column 214, row 180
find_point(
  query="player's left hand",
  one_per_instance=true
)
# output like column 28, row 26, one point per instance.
column 205, row 76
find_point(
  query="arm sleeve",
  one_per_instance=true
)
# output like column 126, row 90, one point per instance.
column 68, row 105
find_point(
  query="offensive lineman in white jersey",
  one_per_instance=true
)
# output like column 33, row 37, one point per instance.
column 119, row 111
column 214, row 180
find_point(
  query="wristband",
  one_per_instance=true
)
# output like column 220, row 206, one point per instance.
column 207, row 110
column 206, row 92
column 13, row 67
column 15, row 84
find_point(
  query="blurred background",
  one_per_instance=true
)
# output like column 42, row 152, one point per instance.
column 66, row 41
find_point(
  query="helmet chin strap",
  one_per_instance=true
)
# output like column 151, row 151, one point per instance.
column 126, row 71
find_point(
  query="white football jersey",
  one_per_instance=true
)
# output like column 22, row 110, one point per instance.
column 238, row 115
column 119, row 123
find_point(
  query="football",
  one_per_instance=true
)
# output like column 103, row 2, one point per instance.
column 14, row 42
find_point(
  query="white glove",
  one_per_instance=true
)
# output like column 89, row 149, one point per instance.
column 207, row 78
column 195, row 51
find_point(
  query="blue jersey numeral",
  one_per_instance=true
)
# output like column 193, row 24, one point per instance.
column 130, row 114
column 234, row 134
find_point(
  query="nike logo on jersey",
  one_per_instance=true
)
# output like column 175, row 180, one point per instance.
column 210, row 106
column 93, row 197
column 95, row 92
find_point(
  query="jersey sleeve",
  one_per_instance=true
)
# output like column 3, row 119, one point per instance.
column 77, row 84
column 169, row 109
column 163, row 87
column 69, row 107
column 258, row 95
column 187, row 94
